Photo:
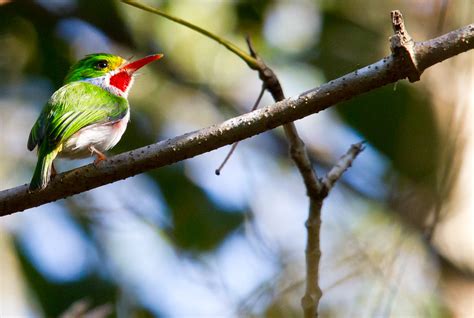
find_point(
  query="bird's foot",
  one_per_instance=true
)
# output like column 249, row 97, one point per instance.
column 99, row 156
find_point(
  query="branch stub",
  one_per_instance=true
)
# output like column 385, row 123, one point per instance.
column 403, row 46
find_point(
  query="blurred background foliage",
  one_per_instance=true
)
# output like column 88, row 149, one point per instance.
column 181, row 242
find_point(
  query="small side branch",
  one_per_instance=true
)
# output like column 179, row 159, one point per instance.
column 252, row 63
column 234, row 145
column 342, row 165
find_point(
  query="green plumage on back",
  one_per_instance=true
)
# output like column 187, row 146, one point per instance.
column 72, row 107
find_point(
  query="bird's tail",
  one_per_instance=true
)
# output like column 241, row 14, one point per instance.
column 42, row 172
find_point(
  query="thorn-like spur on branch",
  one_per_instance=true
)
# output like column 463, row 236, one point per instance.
column 414, row 57
column 402, row 45
column 266, row 74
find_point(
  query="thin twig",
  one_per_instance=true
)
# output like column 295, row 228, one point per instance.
column 251, row 62
column 234, row 145
column 342, row 165
column 231, row 151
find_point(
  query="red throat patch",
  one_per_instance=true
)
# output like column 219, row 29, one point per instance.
column 121, row 80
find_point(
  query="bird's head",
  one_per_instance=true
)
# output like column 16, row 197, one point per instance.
column 108, row 71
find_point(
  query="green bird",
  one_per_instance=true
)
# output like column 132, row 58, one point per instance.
column 85, row 117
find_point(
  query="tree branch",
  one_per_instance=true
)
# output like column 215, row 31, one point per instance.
column 313, row 293
column 388, row 70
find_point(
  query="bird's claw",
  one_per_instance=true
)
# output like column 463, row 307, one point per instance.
column 99, row 156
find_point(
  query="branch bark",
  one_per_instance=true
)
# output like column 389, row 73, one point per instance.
column 387, row 70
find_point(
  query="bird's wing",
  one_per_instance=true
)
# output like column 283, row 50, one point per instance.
column 72, row 107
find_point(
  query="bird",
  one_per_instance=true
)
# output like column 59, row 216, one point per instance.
column 87, row 115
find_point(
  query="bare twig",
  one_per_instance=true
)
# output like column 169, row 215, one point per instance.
column 231, row 151
column 342, row 165
column 234, row 145
column 313, row 293
column 271, row 83
column 251, row 62
column 297, row 148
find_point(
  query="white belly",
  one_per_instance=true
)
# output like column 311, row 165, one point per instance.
column 101, row 136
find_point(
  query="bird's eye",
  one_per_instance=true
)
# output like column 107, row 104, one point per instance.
column 101, row 64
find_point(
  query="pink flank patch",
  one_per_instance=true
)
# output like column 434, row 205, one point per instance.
column 118, row 124
column 121, row 80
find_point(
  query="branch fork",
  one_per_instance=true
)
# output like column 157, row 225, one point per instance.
column 313, row 293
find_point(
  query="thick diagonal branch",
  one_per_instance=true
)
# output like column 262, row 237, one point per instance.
column 388, row 70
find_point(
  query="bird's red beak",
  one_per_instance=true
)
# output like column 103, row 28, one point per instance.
column 135, row 65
